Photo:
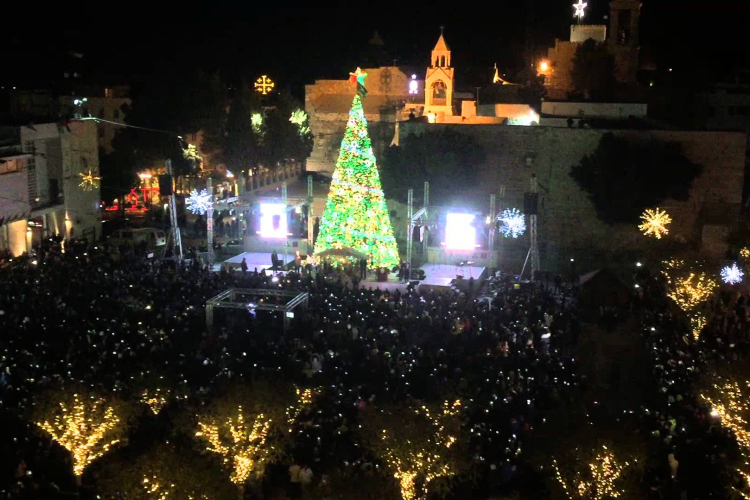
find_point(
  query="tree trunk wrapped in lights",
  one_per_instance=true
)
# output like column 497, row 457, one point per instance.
column 591, row 474
column 86, row 425
column 422, row 446
column 690, row 288
column 250, row 428
column 156, row 399
column 584, row 454
column 356, row 215
column 165, row 472
column 726, row 392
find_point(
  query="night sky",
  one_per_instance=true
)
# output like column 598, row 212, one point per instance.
column 296, row 42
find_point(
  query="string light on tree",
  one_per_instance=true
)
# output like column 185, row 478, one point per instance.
column 199, row 201
column 745, row 253
column 154, row 489
column 697, row 323
column 299, row 118
column 597, row 481
column 84, row 429
column 264, row 85
column 190, row 153
column 690, row 291
column 655, row 223
column 419, row 446
column 248, row 439
column 732, row 275
column 256, row 121
column 728, row 400
column 242, row 445
column 356, row 215
column 156, row 399
column 513, row 223
column 89, row 180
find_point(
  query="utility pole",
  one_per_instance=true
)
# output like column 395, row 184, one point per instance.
column 413, row 218
column 310, row 213
column 532, row 206
column 410, row 233
column 493, row 219
column 174, row 232
column 286, row 216
column 426, row 204
column 210, row 224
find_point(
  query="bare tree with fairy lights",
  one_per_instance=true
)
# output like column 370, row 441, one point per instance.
column 422, row 446
column 87, row 425
column 251, row 427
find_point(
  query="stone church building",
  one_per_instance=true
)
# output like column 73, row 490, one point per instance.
column 397, row 94
column 622, row 43
column 522, row 143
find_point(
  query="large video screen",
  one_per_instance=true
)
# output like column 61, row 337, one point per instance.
column 273, row 220
column 460, row 234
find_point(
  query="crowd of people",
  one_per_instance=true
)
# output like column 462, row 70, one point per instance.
column 80, row 317
column 696, row 451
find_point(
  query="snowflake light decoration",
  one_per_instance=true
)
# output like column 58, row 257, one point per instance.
column 732, row 275
column 199, row 202
column 513, row 223
column 655, row 223
column 89, row 180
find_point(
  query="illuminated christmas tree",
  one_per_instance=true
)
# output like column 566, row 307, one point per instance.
column 356, row 216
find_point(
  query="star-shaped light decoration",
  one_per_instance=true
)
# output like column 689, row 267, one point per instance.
column 731, row 275
column 199, row 202
column 580, row 8
column 655, row 223
column 89, row 180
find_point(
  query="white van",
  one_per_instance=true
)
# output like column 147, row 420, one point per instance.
column 154, row 238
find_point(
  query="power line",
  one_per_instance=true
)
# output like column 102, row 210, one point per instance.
column 127, row 125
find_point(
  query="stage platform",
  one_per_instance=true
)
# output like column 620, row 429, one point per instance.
column 436, row 276
column 255, row 260
column 442, row 275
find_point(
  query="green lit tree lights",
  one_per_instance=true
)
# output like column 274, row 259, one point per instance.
column 356, row 215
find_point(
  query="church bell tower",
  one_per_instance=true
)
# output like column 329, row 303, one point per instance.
column 623, row 38
column 438, row 91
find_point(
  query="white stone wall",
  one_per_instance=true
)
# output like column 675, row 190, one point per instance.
column 568, row 223
column 80, row 152
column 582, row 32
column 619, row 110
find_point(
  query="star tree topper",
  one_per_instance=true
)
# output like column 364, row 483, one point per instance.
column 358, row 78
column 580, row 8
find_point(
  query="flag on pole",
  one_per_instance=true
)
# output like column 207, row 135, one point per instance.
column 358, row 78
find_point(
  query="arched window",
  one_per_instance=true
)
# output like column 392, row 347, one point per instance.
column 437, row 61
column 442, row 62
column 439, row 92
